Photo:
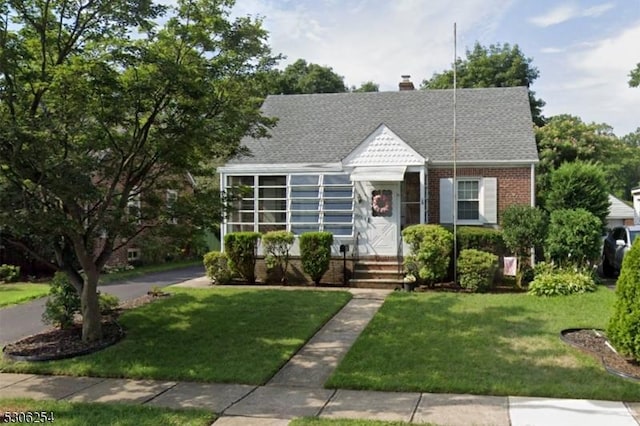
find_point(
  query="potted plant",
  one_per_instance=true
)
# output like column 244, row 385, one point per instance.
column 409, row 282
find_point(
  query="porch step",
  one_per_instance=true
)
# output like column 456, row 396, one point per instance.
column 390, row 284
column 379, row 272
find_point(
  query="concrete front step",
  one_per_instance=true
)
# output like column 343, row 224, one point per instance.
column 389, row 284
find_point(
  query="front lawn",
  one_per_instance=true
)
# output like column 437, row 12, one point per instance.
column 13, row 293
column 76, row 414
column 495, row 344
column 230, row 335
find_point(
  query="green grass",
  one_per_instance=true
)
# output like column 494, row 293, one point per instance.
column 14, row 293
column 212, row 335
column 314, row 421
column 81, row 414
column 496, row 344
column 147, row 269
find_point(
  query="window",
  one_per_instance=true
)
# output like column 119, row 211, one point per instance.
column 337, row 205
column 242, row 212
column 410, row 208
column 134, row 206
column 272, row 203
column 297, row 202
column 172, row 197
column 304, row 203
column 476, row 200
column 468, row 200
column 133, row 254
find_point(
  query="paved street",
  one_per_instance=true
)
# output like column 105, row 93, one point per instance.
column 25, row 319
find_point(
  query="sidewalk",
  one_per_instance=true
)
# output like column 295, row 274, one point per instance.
column 296, row 390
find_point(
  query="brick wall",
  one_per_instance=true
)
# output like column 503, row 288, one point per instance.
column 296, row 275
column 514, row 186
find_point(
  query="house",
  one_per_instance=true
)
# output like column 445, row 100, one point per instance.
column 620, row 213
column 366, row 165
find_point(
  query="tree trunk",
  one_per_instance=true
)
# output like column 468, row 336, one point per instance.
column 90, row 308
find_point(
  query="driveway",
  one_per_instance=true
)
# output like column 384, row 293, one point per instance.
column 25, row 319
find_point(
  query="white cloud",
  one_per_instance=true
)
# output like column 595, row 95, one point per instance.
column 592, row 82
column 552, row 50
column 569, row 11
column 555, row 16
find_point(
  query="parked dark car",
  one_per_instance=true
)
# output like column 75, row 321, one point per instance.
column 616, row 244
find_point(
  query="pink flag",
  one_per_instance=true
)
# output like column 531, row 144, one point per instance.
column 510, row 266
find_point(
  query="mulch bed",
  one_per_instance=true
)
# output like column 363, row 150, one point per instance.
column 594, row 342
column 59, row 344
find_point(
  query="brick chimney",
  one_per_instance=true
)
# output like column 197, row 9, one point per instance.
column 406, row 83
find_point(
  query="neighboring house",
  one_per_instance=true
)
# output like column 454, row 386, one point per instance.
column 133, row 251
column 620, row 213
column 366, row 165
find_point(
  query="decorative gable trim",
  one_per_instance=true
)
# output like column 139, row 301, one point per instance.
column 383, row 148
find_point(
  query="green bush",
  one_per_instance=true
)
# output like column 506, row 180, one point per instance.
column 431, row 247
column 623, row 329
column 276, row 245
column 9, row 273
column 315, row 253
column 107, row 303
column 479, row 238
column 579, row 185
column 217, row 267
column 524, row 227
column 63, row 302
column 241, row 250
column 476, row 269
column 574, row 238
column 543, row 268
column 561, row 282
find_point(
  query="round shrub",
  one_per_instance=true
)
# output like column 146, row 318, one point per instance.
column 476, row 269
column 479, row 238
column 241, row 250
column 9, row 273
column 431, row 247
column 276, row 245
column 623, row 329
column 216, row 265
column 561, row 283
column 574, row 237
column 63, row 302
column 315, row 253
column 107, row 303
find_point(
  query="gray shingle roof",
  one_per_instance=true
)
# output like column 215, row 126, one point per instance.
column 493, row 124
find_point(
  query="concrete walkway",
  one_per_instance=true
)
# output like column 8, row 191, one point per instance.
column 297, row 390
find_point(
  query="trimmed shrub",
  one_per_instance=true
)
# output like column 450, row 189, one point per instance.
column 476, row 269
column 108, row 303
column 561, row 283
column 431, row 247
column 623, row 329
column 217, row 267
column 241, row 250
column 479, row 238
column 524, row 228
column 574, row 238
column 63, row 302
column 9, row 273
column 315, row 253
column 579, row 185
column 276, row 245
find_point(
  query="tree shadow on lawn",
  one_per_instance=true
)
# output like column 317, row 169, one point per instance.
column 476, row 344
column 226, row 335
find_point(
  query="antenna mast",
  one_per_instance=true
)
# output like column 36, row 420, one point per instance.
column 455, row 149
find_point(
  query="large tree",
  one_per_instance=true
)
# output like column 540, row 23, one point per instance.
column 301, row 77
column 634, row 76
column 99, row 107
column 566, row 138
column 499, row 65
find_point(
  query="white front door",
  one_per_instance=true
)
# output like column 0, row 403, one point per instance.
column 379, row 218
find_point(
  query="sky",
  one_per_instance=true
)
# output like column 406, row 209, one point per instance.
column 583, row 49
